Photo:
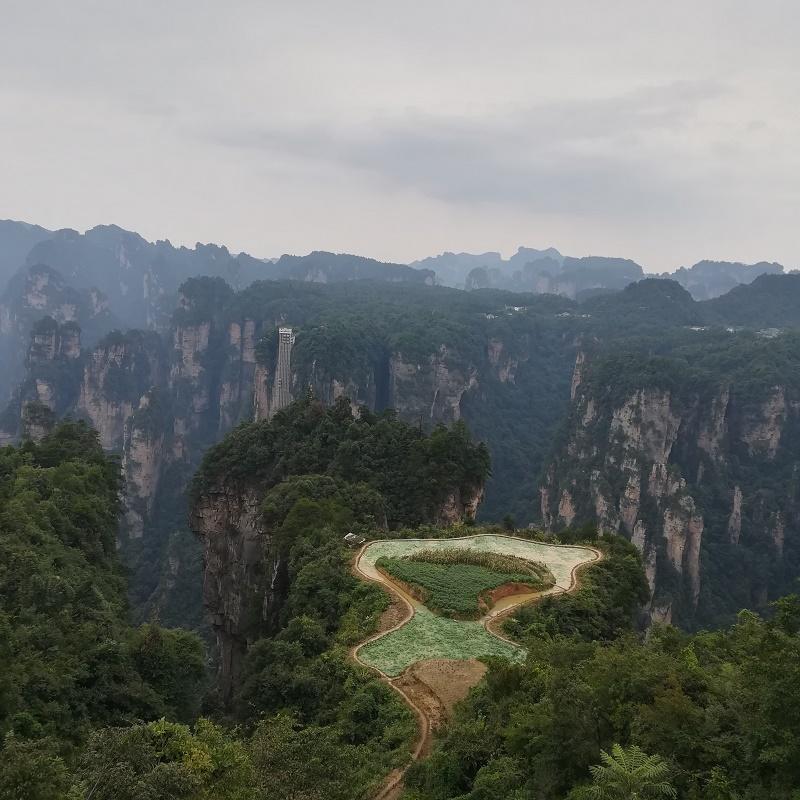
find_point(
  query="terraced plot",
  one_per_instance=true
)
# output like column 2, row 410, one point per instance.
column 459, row 583
column 429, row 636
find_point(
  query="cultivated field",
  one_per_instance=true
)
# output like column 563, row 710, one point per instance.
column 426, row 636
column 429, row 636
column 458, row 583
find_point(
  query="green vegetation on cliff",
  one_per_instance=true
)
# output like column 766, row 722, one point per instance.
column 321, row 472
column 719, row 712
column 70, row 662
column 415, row 473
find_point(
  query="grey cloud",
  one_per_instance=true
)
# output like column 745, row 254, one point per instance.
column 585, row 156
column 663, row 131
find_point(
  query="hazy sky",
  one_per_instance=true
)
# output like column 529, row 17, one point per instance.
column 664, row 132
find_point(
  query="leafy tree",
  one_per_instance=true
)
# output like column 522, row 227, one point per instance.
column 628, row 774
column 172, row 662
column 31, row 770
column 164, row 761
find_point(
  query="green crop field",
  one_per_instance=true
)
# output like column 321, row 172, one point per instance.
column 452, row 588
column 427, row 635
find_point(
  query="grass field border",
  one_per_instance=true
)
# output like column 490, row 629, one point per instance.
column 492, row 614
column 393, row 784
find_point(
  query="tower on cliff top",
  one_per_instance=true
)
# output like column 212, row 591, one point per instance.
column 281, row 389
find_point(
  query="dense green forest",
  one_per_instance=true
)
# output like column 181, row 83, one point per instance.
column 717, row 714
column 71, row 664
column 91, row 707
column 414, row 472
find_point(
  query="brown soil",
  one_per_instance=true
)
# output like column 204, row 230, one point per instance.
column 396, row 613
column 490, row 597
column 438, row 684
column 432, row 688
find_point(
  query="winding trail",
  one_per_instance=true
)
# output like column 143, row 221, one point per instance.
column 491, row 621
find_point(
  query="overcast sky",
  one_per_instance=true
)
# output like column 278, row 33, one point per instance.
column 664, row 132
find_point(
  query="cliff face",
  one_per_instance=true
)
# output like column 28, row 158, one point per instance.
column 33, row 294
column 117, row 374
column 241, row 575
column 53, row 366
column 692, row 479
column 160, row 399
column 432, row 389
column 144, row 459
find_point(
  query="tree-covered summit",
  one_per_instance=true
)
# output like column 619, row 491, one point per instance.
column 415, row 472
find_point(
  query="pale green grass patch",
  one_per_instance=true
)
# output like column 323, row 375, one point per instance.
column 426, row 636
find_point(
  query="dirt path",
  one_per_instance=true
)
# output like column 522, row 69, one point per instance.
column 431, row 688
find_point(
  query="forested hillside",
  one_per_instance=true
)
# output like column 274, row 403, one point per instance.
column 598, row 711
column 72, row 664
column 502, row 362
column 94, row 708
column 307, row 467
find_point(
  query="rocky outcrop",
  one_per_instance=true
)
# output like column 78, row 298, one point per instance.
column 430, row 390
column 714, row 427
column 237, row 388
column 577, row 374
column 458, row 507
column 735, row 518
column 118, row 372
column 142, row 462
column 53, row 363
column 35, row 294
column 675, row 472
column 505, row 365
column 241, row 577
column 761, row 431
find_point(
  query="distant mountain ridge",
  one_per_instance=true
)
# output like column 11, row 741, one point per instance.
column 72, row 276
column 550, row 272
column 16, row 241
column 110, row 274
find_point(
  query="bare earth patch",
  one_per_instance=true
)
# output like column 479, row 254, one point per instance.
column 437, row 685
column 393, row 615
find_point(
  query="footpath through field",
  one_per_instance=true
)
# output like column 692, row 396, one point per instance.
column 431, row 661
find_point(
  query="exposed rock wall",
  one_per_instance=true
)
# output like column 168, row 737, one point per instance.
column 117, row 373
column 34, row 294
column 143, row 459
column 48, row 391
column 241, row 573
column 690, row 480
column 430, row 390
